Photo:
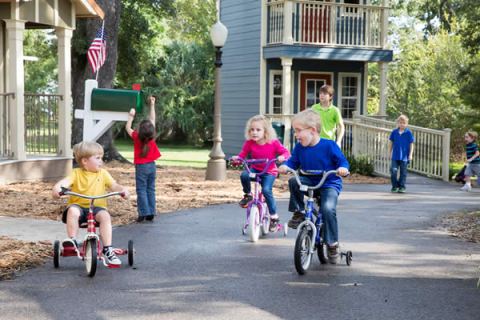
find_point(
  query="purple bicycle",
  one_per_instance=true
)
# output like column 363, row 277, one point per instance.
column 258, row 217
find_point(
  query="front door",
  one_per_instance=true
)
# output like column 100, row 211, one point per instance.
column 310, row 84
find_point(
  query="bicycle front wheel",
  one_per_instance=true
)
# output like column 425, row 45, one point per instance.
column 91, row 257
column 253, row 224
column 303, row 250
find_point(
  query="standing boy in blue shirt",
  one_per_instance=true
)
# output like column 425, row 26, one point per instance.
column 473, row 160
column 401, row 150
column 313, row 153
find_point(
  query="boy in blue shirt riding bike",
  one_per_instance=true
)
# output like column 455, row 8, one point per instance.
column 313, row 153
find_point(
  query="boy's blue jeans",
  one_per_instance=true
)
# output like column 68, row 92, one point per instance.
column 398, row 165
column 328, row 205
column 145, row 175
column 266, row 181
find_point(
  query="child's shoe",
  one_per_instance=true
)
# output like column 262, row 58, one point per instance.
column 70, row 243
column 402, row 190
column 274, row 224
column 394, row 190
column 296, row 219
column 111, row 257
column 467, row 187
column 333, row 253
column 246, row 199
column 150, row 217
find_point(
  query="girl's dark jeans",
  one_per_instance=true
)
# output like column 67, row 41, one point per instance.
column 145, row 175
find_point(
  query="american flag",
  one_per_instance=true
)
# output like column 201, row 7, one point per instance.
column 98, row 51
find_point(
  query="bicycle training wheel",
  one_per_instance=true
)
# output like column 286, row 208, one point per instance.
column 303, row 250
column 91, row 257
column 253, row 224
column 131, row 252
column 322, row 247
column 56, row 254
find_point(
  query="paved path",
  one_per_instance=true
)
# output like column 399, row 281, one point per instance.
column 195, row 264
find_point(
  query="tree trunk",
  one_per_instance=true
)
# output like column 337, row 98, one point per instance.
column 82, row 38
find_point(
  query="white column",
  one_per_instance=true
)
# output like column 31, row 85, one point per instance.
column 383, row 67
column 384, row 23
column 64, row 37
column 287, row 98
column 15, row 83
column 287, row 22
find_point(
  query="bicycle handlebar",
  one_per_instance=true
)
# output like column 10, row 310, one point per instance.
column 324, row 174
column 247, row 162
column 67, row 192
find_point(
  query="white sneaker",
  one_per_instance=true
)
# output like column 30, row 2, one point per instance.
column 466, row 187
column 112, row 258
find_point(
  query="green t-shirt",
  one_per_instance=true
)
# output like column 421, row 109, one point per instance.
column 330, row 119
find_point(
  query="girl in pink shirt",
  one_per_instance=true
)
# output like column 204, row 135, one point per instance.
column 262, row 143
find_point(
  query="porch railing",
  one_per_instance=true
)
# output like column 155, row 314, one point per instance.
column 326, row 23
column 370, row 137
column 41, row 123
column 5, row 139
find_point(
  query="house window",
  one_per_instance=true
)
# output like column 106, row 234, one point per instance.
column 276, row 92
column 349, row 94
column 313, row 91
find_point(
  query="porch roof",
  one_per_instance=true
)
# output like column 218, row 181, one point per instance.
column 327, row 53
column 88, row 9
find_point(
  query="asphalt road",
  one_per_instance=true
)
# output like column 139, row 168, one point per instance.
column 195, row 264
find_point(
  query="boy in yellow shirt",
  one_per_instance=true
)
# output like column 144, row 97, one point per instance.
column 332, row 122
column 89, row 179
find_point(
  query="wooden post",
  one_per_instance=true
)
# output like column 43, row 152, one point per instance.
column 15, row 83
column 355, row 137
column 383, row 89
column 287, row 97
column 64, row 89
column 287, row 22
column 446, row 155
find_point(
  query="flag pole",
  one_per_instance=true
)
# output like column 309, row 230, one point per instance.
column 101, row 51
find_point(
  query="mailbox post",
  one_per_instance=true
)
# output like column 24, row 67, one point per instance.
column 102, row 107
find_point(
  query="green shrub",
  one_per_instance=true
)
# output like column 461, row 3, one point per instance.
column 361, row 164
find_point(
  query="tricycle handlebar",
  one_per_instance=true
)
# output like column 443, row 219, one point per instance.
column 67, row 192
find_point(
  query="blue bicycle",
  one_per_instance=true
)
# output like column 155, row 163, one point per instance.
column 310, row 235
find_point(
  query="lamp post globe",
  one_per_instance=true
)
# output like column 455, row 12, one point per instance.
column 216, row 166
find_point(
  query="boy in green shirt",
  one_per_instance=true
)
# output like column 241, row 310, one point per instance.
column 332, row 122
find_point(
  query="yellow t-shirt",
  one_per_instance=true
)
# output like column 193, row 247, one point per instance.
column 91, row 184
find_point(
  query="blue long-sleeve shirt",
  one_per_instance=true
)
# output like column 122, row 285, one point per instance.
column 325, row 155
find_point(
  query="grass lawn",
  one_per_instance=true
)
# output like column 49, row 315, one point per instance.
column 172, row 155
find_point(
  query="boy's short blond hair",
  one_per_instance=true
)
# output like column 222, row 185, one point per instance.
column 472, row 134
column 86, row 149
column 309, row 119
column 270, row 133
column 402, row 117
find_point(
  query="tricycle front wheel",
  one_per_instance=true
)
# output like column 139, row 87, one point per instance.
column 91, row 257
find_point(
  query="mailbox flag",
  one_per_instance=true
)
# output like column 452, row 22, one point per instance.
column 98, row 50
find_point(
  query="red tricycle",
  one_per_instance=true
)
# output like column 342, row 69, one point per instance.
column 90, row 250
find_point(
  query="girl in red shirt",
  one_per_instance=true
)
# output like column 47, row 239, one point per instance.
column 145, row 152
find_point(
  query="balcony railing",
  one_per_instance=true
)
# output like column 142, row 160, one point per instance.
column 326, row 23
column 41, row 123
column 5, row 141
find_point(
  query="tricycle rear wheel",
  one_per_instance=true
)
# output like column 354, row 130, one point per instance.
column 56, row 254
